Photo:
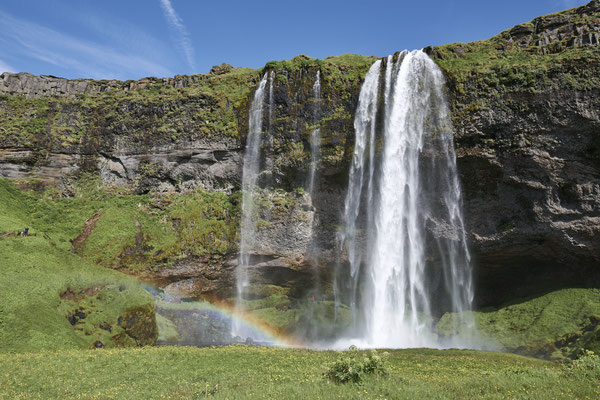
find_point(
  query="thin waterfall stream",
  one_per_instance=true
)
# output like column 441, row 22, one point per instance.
column 250, row 173
column 315, row 135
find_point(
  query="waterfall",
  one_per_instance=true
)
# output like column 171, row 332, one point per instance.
column 403, row 234
column 364, row 126
column 315, row 135
column 250, row 174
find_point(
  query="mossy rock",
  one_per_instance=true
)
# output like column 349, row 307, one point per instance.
column 140, row 324
column 263, row 291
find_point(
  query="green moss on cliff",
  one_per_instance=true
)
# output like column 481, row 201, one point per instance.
column 148, row 112
column 132, row 232
column 485, row 63
column 23, row 120
column 204, row 222
column 296, row 113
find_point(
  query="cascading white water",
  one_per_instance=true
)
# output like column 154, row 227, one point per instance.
column 315, row 135
column 250, row 174
column 364, row 126
column 404, row 235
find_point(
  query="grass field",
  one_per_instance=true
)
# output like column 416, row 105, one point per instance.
column 240, row 372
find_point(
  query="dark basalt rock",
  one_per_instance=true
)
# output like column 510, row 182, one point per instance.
column 531, row 187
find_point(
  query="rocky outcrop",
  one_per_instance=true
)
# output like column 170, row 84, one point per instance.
column 162, row 170
column 31, row 86
column 45, row 85
column 556, row 32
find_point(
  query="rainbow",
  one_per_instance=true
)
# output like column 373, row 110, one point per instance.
column 263, row 333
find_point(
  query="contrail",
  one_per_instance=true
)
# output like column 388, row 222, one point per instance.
column 184, row 37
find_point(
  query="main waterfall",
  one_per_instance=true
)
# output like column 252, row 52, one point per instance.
column 403, row 239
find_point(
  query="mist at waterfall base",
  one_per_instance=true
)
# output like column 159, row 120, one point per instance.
column 402, row 260
column 201, row 323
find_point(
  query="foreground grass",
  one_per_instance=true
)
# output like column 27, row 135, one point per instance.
column 239, row 372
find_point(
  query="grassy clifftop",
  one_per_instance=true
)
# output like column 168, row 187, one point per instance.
column 149, row 111
column 553, row 52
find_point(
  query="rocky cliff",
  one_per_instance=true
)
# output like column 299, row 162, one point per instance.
column 525, row 107
column 527, row 130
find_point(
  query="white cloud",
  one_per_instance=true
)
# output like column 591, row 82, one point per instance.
column 183, row 40
column 4, row 67
column 128, row 36
column 84, row 57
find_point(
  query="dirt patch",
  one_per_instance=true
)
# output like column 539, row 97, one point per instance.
column 8, row 234
column 67, row 294
column 88, row 228
column 37, row 186
column 91, row 291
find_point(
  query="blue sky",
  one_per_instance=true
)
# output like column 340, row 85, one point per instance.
column 127, row 39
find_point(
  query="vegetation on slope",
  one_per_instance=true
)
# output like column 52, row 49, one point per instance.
column 556, row 325
column 52, row 299
column 132, row 232
column 240, row 372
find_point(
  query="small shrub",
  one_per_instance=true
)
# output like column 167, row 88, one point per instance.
column 350, row 368
column 587, row 366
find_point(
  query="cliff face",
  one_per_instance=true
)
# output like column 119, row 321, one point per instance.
column 528, row 138
column 149, row 134
column 526, row 110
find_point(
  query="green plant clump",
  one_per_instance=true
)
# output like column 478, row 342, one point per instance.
column 350, row 368
column 587, row 366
